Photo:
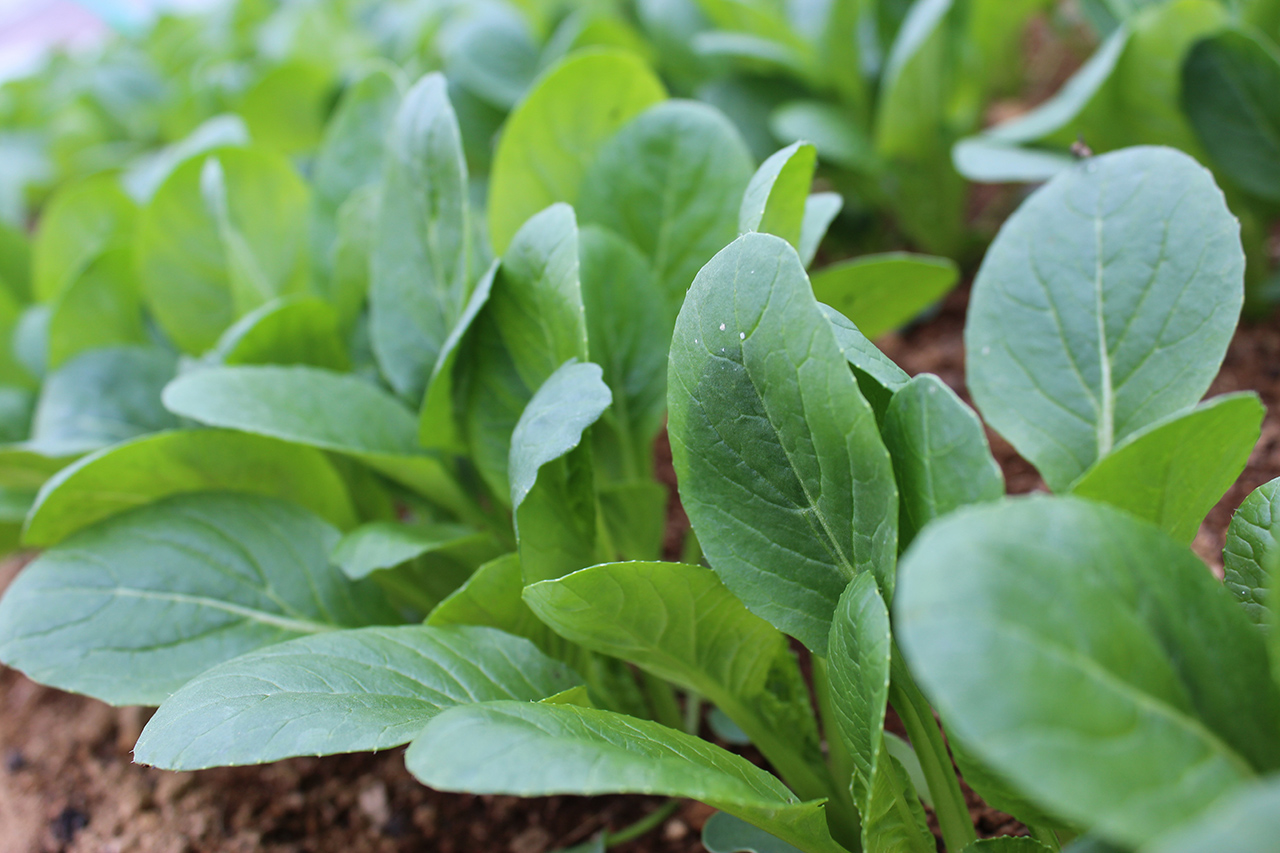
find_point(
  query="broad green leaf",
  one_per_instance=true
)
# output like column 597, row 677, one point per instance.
column 629, row 327
column 1173, row 471
column 15, row 262
column 680, row 623
column 839, row 139
column 724, row 833
column 670, row 182
column 287, row 107
column 634, row 515
column 421, row 275
column 290, row 330
column 775, row 199
column 913, row 127
column 1231, row 95
column 387, row 544
column 941, row 458
column 880, row 293
column 344, row 691
column 1247, row 820
column 996, row 155
column 552, row 484
column 531, row 325
column 878, row 377
column 350, row 161
column 153, row 467
column 781, row 468
column 100, row 397
column 987, row 160
column 439, row 426
column 129, row 610
column 26, row 468
column 820, row 210
column 1134, row 692
column 534, row 749
column 492, row 596
column 1251, row 549
column 858, row 668
column 321, row 409
column 82, row 222
column 419, row 565
column 553, row 135
column 100, row 307
column 1143, row 106
column 492, row 53
column 150, row 171
column 351, row 153
column 357, row 231
column 223, row 235
column 1105, row 304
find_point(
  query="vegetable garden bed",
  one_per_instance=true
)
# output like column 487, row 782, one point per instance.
column 511, row 390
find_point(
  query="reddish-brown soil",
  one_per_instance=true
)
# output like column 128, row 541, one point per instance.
column 67, row 783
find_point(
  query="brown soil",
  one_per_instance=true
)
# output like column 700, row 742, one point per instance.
column 67, row 783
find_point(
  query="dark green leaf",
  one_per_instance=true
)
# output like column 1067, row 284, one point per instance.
column 532, row 324
column 781, row 468
column 940, row 454
column 1231, row 95
column 1251, row 549
column 552, row 490
column 724, row 833
column 858, row 666
column 629, row 327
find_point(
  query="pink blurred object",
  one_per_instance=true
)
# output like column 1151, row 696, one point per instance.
column 29, row 29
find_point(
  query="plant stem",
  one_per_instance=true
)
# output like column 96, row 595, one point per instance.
column 839, row 761
column 1045, row 836
column 643, row 825
column 838, row 757
column 662, row 701
column 926, row 737
column 692, row 712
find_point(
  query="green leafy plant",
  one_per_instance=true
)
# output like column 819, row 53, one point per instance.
column 338, row 435
column 1196, row 75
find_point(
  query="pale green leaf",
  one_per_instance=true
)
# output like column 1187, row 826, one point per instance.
column 132, row 608
column 153, row 467
column 1105, row 304
column 345, row 691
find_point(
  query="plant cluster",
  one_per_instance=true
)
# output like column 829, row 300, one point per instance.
column 1197, row 75
column 346, row 442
